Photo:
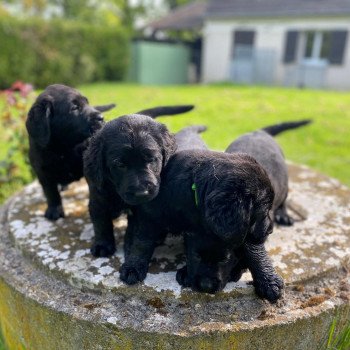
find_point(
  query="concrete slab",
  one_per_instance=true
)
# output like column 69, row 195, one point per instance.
column 46, row 270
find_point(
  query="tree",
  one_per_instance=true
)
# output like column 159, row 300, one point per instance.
column 176, row 3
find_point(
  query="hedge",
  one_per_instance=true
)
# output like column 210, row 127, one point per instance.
column 60, row 51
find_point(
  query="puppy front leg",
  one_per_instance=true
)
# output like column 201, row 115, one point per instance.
column 54, row 209
column 267, row 283
column 140, row 241
column 184, row 276
column 101, row 217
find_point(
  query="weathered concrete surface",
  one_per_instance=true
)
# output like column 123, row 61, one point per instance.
column 54, row 294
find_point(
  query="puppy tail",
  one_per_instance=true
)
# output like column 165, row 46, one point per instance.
column 105, row 108
column 274, row 130
column 166, row 110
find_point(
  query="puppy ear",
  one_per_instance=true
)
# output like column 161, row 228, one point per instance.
column 94, row 161
column 262, row 226
column 226, row 215
column 167, row 142
column 38, row 124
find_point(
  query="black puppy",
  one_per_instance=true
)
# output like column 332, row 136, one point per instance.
column 222, row 204
column 189, row 138
column 211, row 260
column 59, row 125
column 122, row 166
column 264, row 149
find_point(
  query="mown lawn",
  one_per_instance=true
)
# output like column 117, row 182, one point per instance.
column 229, row 111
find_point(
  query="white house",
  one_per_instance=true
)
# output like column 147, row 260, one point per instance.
column 302, row 43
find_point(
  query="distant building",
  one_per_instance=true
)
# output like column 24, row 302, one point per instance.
column 303, row 43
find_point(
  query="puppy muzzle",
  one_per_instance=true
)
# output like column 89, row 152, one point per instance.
column 206, row 284
column 140, row 196
column 96, row 122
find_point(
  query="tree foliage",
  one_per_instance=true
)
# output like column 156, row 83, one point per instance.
column 110, row 12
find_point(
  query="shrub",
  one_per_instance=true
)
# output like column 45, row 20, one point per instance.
column 14, row 170
column 60, row 51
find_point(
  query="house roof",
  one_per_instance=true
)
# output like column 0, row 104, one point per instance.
column 193, row 14
column 277, row 8
column 184, row 17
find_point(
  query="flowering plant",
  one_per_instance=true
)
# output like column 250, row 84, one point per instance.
column 14, row 103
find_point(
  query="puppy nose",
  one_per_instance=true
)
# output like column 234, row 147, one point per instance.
column 99, row 117
column 141, row 194
column 208, row 285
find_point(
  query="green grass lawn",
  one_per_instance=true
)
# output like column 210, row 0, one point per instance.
column 229, row 111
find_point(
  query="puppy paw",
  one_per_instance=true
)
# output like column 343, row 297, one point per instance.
column 182, row 277
column 133, row 273
column 54, row 213
column 103, row 249
column 269, row 288
column 283, row 219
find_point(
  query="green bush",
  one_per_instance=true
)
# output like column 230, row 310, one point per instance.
column 60, row 51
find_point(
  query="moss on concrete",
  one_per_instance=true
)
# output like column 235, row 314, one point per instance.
column 54, row 295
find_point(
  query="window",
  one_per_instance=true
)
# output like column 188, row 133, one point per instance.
column 243, row 43
column 317, row 45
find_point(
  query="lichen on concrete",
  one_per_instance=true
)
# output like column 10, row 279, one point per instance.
column 46, row 270
column 313, row 245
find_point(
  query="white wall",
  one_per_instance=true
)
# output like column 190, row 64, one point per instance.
column 270, row 34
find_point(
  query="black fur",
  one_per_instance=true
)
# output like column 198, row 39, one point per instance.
column 122, row 166
column 189, row 138
column 224, row 233
column 276, row 129
column 59, row 125
column 232, row 219
column 261, row 146
column 211, row 261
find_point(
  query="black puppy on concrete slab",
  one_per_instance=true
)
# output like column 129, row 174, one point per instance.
column 123, row 167
column 225, row 220
column 59, row 125
column 220, row 202
column 265, row 150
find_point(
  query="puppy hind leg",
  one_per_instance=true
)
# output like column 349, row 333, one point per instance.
column 281, row 216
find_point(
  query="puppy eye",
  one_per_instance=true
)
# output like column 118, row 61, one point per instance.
column 75, row 108
column 118, row 164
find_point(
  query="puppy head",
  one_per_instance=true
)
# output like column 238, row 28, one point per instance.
column 210, row 264
column 235, row 197
column 130, row 152
column 63, row 114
